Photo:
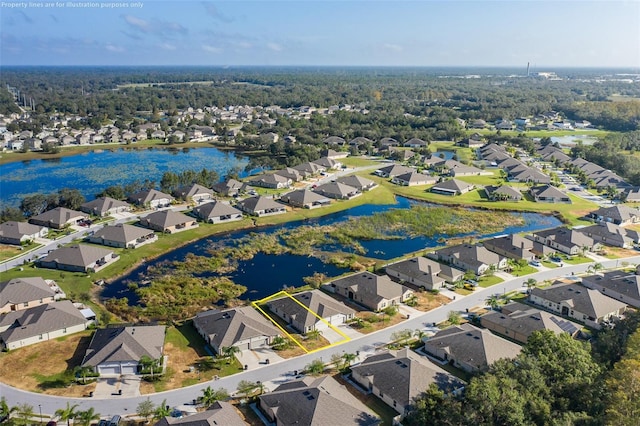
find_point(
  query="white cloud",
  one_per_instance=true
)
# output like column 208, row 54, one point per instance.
column 138, row 23
column 113, row 48
column 275, row 47
column 394, row 47
column 243, row 44
column 211, row 49
column 167, row 46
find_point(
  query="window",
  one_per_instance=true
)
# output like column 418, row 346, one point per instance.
column 64, row 330
column 40, row 337
column 25, row 305
column 381, row 394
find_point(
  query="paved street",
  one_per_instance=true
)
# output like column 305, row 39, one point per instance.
column 281, row 370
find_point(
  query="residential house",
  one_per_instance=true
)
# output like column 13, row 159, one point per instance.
column 158, row 134
column 611, row 234
column 502, row 193
column 452, row 187
column 358, row 182
column 292, row 174
column 401, row 155
column 328, row 163
column 78, row 258
column 504, row 124
column 309, row 169
column 565, row 240
column 221, row 413
column 242, row 327
column 529, row 175
column 375, row 292
column 549, row 194
column 459, row 169
column 123, row 236
column 474, row 141
column 469, row 348
column 168, row 221
column 398, row 378
column 335, row 155
column 512, row 246
column 105, row 206
column 434, row 162
column 334, row 140
column 619, row 214
column 425, row 273
column 23, row 293
column 271, row 180
column 467, row 257
column 304, row 198
column 58, row 218
column 217, row 212
column 261, row 206
column 315, row 401
column 194, row 192
column 41, row 323
column 414, row 178
column 518, row 321
column 620, row 285
column 229, row 188
column 302, row 310
column 18, row 233
column 360, row 142
column 151, row 198
column 387, row 142
column 393, row 170
column 578, row 302
column 632, row 195
column 416, row 143
column 116, row 351
column 338, row 191
column 478, row 124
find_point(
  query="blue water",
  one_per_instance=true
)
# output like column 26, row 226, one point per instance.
column 266, row 274
column 94, row 171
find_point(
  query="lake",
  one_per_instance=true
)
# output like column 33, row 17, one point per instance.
column 266, row 274
column 572, row 140
column 93, row 171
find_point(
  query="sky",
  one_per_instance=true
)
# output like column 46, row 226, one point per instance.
column 571, row 33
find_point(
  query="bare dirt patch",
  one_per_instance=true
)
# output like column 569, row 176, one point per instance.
column 41, row 367
column 428, row 301
column 619, row 252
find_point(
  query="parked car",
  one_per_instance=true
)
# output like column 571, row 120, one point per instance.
column 535, row 263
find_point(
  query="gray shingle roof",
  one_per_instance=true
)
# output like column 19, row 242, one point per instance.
column 58, row 216
column 226, row 328
column 617, row 281
column 523, row 319
column 215, row 209
column 220, row 413
column 370, row 288
column 101, row 206
column 144, row 197
column 254, row 204
column 21, row 290
column 336, row 190
column 581, row 299
column 472, row 345
column 165, row 219
column 121, row 233
column 403, row 375
column 452, row 185
column 355, row 181
column 39, row 320
column 316, row 302
column 125, row 344
column 80, row 255
column 16, row 230
column 192, row 190
column 303, row 197
column 317, row 402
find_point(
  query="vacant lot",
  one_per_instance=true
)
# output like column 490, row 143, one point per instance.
column 47, row 367
column 428, row 301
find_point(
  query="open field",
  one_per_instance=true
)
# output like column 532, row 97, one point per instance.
column 52, row 372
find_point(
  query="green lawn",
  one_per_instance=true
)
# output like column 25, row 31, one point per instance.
column 8, row 251
column 551, row 265
column 488, row 281
column 526, row 270
column 576, row 260
column 358, row 162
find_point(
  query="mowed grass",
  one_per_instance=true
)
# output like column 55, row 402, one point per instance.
column 358, row 162
column 8, row 251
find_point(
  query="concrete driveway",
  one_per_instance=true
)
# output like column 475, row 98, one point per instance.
column 110, row 387
column 255, row 358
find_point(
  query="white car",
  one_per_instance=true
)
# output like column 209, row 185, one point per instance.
column 535, row 263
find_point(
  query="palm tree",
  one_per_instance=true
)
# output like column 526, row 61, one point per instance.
column 530, row 283
column 86, row 417
column 162, row 411
column 595, row 267
column 315, row 367
column 229, row 351
column 209, row 396
column 313, row 334
column 493, row 301
column 25, row 413
column 5, row 410
column 348, row 359
column 66, row 414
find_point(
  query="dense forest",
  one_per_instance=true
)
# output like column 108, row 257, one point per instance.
column 555, row 380
column 111, row 93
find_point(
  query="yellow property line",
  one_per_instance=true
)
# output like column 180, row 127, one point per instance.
column 286, row 294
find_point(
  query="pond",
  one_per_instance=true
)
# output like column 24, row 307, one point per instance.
column 572, row 140
column 265, row 274
column 93, row 171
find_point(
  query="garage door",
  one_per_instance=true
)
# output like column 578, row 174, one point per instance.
column 111, row 370
column 243, row 346
column 129, row 369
